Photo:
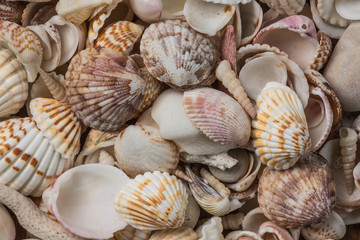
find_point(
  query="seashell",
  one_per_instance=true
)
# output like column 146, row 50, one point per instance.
column 253, row 220
column 29, row 52
column 217, row 115
column 251, row 15
column 194, row 71
column 323, row 52
column 309, row 203
column 280, row 131
column 210, row 230
column 348, row 139
column 297, row 29
column 286, row 7
column 348, row 9
column 153, row 201
column 113, row 100
column 228, row 47
column 228, row 78
column 151, row 10
column 348, row 218
column 78, row 11
column 106, row 158
column 232, row 221
column 328, row 12
column 356, row 126
column 207, row 17
column 242, row 235
column 37, row 13
column 192, row 212
column 55, row 84
column 131, row 233
column 13, row 83
column 333, row 228
column 214, row 183
column 220, row 160
column 269, row 230
column 7, row 226
column 140, row 149
column 229, row 1
column 174, row 234
column 169, row 114
column 248, row 194
column 88, row 193
column 344, row 59
column 11, row 11
column 120, row 36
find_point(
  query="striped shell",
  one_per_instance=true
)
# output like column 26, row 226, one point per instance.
column 13, row 83
column 131, row 233
column 120, row 36
column 153, row 201
column 286, row 7
column 178, row 55
column 175, row 234
column 11, row 11
column 104, row 88
column 280, row 130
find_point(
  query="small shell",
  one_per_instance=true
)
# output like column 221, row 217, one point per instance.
column 243, row 235
column 153, row 201
column 192, row 212
column 11, row 11
column 150, row 10
column 175, row 234
column 328, row 12
column 55, row 87
column 233, row 221
column 280, row 131
column 158, row 45
column 287, row 7
column 214, row 183
column 348, row 9
column 210, row 230
column 312, row 194
column 323, row 52
column 228, row 1
column 130, row 233
column 356, row 126
column 107, row 104
column 228, row 47
column 251, row 15
column 269, row 230
column 221, row 160
column 7, row 225
column 37, row 13
column 253, row 220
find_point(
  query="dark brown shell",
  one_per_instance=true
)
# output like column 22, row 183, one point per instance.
column 11, row 11
column 104, row 88
column 37, row 13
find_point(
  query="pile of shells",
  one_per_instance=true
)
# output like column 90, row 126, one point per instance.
column 179, row 120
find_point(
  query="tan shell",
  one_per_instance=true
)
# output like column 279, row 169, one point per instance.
column 329, row 13
column 107, row 104
column 11, row 11
column 287, row 7
column 173, row 64
column 7, row 227
column 175, row 234
column 233, row 221
column 312, row 194
column 210, row 230
column 192, row 212
column 37, row 13
column 131, row 233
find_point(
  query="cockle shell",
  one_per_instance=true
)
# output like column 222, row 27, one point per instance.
column 107, row 104
column 131, row 233
column 348, row 9
column 251, row 17
column 179, row 64
column 287, row 7
column 153, row 201
column 140, row 149
column 82, row 198
column 28, row 52
column 7, row 225
column 280, row 130
column 11, row 11
column 312, row 194
column 175, row 234
column 210, row 230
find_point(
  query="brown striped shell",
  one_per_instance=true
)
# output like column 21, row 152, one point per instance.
column 104, row 88
column 11, row 11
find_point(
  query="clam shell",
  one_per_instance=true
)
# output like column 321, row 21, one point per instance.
column 7, row 225
column 130, row 233
column 280, row 131
column 104, row 88
column 11, row 11
column 323, row 52
column 153, row 201
column 37, row 13
column 180, row 64
column 348, row 9
column 328, row 12
column 305, row 194
column 251, row 15
column 286, row 7
column 175, row 234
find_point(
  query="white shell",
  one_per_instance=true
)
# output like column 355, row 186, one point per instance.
column 329, row 13
column 348, row 9
column 253, row 220
column 7, row 225
column 210, row 230
column 251, row 15
column 229, row 1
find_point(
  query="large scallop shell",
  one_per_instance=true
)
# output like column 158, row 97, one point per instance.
column 104, row 88
column 180, row 63
column 304, row 194
column 153, row 201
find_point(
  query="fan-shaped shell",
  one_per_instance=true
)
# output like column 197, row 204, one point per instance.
column 177, row 55
column 329, row 13
column 286, row 7
column 153, row 201
column 104, row 88
column 304, row 194
column 175, row 234
column 280, row 130
column 11, row 11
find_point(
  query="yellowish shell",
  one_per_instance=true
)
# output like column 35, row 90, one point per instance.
column 130, row 233
column 175, row 234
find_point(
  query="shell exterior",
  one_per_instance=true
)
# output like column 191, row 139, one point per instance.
column 120, row 36
column 323, row 52
column 55, row 84
column 328, row 12
column 175, row 234
column 269, row 230
column 233, row 221
column 286, row 7
column 153, row 201
column 210, row 230
column 348, row 9
column 28, row 52
column 13, row 83
column 312, row 194
column 181, row 64
column 7, row 226
column 131, row 233
column 106, row 104
column 148, row 11
column 11, row 11
column 37, row 13
column 192, row 212
column 280, row 130
column 243, row 235
column 251, row 15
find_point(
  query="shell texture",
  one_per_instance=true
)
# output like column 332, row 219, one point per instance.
column 286, row 7
column 192, row 212
column 54, row 85
column 280, row 130
column 104, row 88
column 11, row 11
column 328, row 12
column 232, row 221
column 251, row 17
column 312, row 194
column 7, row 226
column 229, row 1
column 153, row 201
column 210, row 230
column 177, row 55
column 243, row 235
column 348, row 9
column 131, row 233
column 323, row 52
column 253, row 220
column 269, row 230
column 149, row 11
column 37, row 13
column 175, row 234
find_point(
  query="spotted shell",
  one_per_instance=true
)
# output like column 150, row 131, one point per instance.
column 104, row 88
column 153, row 201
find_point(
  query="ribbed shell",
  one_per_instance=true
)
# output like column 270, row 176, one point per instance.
column 175, row 234
column 153, row 201
column 120, row 36
column 280, row 130
column 323, row 52
column 104, row 88
column 59, row 124
column 130, row 233
column 217, row 115
column 229, row 1
column 303, row 195
column 11, row 11
column 29, row 162
column 177, row 55
column 286, row 7
column 13, row 83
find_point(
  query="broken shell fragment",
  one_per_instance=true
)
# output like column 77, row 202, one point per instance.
column 7, row 225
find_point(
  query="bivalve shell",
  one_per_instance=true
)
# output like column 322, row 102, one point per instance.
column 7, row 225
column 130, row 233
column 11, row 11
column 175, row 234
column 348, row 9
column 286, row 7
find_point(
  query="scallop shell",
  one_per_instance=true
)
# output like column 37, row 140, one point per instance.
column 11, row 11
column 180, row 64
column 28, row 52
column 153, row 201
column 348, row 9
column 130, row 233
column 305, row 194
column 286, row 7
column 120, row 36
column 328, row 12
column 107, row 104
column 140, row 149
column 323, row 52
column 175, row 234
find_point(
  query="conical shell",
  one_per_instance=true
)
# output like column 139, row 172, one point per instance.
column 153, row 201
column 217, row 115
column 11, row 11
column 175, row 234
column 286, row 7
column 104, row 88
column 280, row 130
column 305, row 194
column 120, row 36
column 131, row 233
column 180, row 64
column 13, row 83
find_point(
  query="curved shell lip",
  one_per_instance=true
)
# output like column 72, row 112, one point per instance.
column 348, row 9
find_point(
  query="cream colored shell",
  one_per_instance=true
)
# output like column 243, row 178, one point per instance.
column 175, row 234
